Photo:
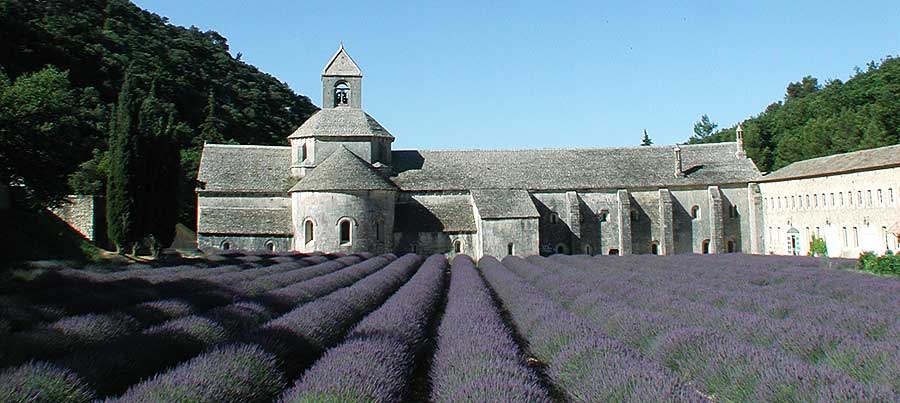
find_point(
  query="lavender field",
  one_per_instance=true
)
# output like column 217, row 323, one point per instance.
column 362, row 328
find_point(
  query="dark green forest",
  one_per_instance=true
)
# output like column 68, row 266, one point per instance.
column 62, row 67
column 815, row 120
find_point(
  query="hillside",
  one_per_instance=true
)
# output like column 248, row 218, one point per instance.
column 815, row 120
column 81, row 49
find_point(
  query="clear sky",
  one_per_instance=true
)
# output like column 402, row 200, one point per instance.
column 528, row 74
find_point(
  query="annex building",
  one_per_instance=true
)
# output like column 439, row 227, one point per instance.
column 339, row 186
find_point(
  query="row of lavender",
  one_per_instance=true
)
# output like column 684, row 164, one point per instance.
column 726, row 353
column 267, row 310
column 860, row 343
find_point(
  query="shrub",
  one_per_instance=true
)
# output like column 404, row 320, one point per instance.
column 234, row 373
column 376, row 361
column 886, row 264
column 40, row 382
column 476, row 357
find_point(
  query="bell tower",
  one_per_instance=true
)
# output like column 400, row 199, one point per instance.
column 341, row 82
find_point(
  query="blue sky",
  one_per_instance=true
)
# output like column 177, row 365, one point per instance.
column 527, row 74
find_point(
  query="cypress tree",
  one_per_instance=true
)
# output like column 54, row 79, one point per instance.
column 120, row 199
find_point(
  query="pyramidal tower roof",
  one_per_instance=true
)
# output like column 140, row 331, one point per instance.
column 343, row 170
column 341, row 64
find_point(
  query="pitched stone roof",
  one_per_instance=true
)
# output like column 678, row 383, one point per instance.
column 245, row 221
column 559, row 169
column 340, row 122
column 504, row 203
column 239, row 168
column 443, row 213
column 875, row 158
column 341, row 64
column 343, row 170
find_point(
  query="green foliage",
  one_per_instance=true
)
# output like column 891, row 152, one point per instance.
column 817, row 120
column 214, row 96
column 645, row 141
column 817, row 247
column 703, row 130
column 44, row 128
column 889, row 263
column 121, row 185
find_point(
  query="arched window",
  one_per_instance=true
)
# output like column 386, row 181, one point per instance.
column 695, row 212
column 303, row 155
column 345, row 231
column 588, row 250
column 705, row 246
column 554, row 217
column 654, row 248
column 510, row 249
column 270, row 246
column 613, row 252
column 603, row 215
column 226, row 245
column 562, row 249
column 341, row 94
column 309, row 229
column 729, row 246
column 457, row 246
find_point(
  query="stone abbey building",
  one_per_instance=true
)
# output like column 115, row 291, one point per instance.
column 338, row 186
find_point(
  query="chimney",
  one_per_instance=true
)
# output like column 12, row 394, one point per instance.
column 740, row 141
column 679, row 171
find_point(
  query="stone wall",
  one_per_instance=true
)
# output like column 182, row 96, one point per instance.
column 831, row 213
column 371, row 214
column 245, row 242
column 85, row 214
column 497, row 234
column 429, row 243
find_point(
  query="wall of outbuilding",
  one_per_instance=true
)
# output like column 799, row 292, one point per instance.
column 371, row 214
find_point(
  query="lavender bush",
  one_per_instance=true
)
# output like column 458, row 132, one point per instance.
column 583, row 362
column 233, row 373
column 477, row 358
column 377, row 360
column 40, row 382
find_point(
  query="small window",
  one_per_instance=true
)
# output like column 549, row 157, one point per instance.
column 270, row 246
column 345, row 232
column 844, row 235
column 603, row 215
column 562, row 249
column 377, row 231
column 654, row 248
column 457, row 246
column 855, row 237
column 303, row 155
column 705, row 246
column 309, row 231
column 588, row 250
column 341, row 94
column 880, row 198
column 226, row 245
column 841, row 197
column 613, row 252
column 554, row 218
column 695, row 211
column 510, row 249
column 807, row 201
column 729, row 246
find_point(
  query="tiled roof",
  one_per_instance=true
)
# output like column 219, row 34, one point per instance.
column 245, row 221
column 239, row 168
column 839, row 163
column 343, row 170
column 443, row 213
column 340, row 122
column 504, row 203
column 570, row 169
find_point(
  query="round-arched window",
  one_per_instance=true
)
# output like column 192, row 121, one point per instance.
column 270, row 246
column 226, row 245
column 345, row 231
column 341, row 94
column 309, row 231
column 695, row 212
column 457, row 246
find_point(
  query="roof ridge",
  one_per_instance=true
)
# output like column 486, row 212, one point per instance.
column 220, row 145
column 669, row 147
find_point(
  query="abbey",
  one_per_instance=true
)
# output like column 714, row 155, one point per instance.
column 339, row 186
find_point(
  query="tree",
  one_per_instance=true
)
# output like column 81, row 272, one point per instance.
column 121, row 220
column 42, row 131
column 703, row 130
column 646, row 140
column 808, row 85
